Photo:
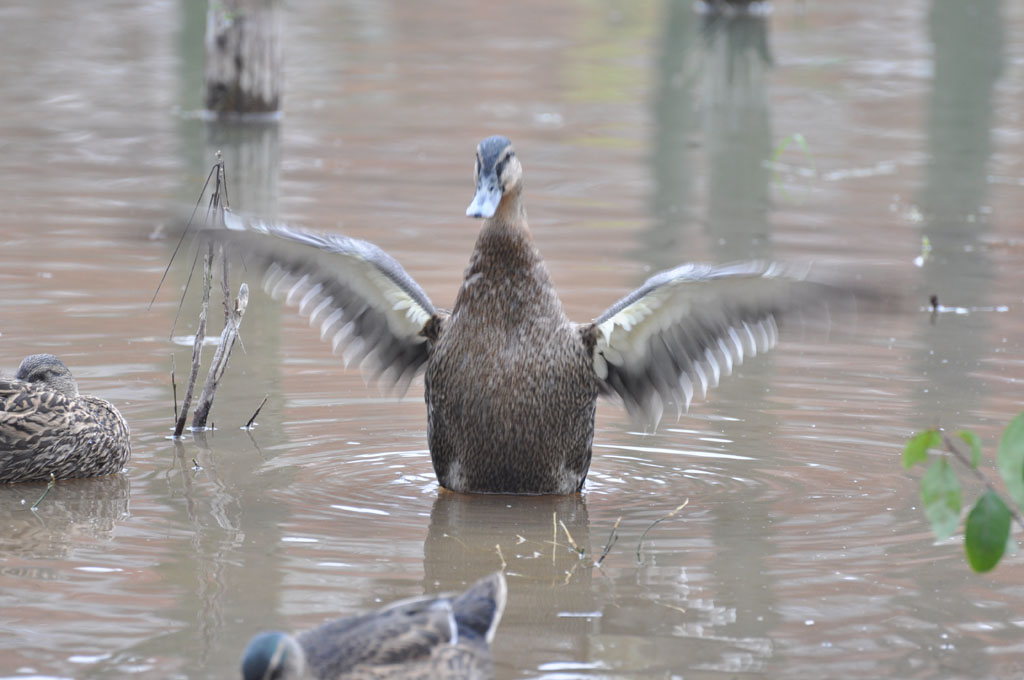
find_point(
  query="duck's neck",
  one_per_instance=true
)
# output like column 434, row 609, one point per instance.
column 506, row 273
column 505, row 242
column 510, row 215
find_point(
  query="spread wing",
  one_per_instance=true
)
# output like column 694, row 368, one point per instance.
column 362, row 300
column 685, row 327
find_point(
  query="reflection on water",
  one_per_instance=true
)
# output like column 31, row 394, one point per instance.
column 69, row 512
column 968, row 43
column 645, row 130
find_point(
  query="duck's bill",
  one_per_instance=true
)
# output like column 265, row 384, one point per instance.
column 485, row 202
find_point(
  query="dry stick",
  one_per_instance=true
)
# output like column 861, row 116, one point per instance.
column 181, row 240
column 174, row 391
column 225, row 285
column 654, row 524
column 248, row 425
column 197, row 346
column 184, row 292
column 220, row 358
column 49, row 485
column 554, row 539
column 612, row 538
column 568, row 536
column 951, row 446
column 221, row 190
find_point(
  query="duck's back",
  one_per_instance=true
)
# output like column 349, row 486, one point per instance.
column 509, row 388
column 44, row 432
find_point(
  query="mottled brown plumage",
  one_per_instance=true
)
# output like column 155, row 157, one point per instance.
column 48, row 428
column 441, row 637
column 510, row 387
column 511, row 384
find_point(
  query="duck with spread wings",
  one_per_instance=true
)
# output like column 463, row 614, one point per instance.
column 511, row 384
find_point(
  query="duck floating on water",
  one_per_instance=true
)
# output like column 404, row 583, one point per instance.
column 48, row 428
column 511, row 384
column 444, row 637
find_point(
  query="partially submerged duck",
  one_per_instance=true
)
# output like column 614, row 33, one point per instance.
column 48, row 428
column 511, row 384
column 443, row 637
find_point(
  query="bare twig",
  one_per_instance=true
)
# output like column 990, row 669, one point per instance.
column 220, row 358
column 197, row 346
column 225, row 284
column 612, row 538
column 174, row 391
column 654, row 524
column 554, row 538
column 953, row 448
column 214, row 217
column 49, row 485
column 183, row 235
column 497, row 546
column 181, row 302
column 252, row 421
column 568, row 536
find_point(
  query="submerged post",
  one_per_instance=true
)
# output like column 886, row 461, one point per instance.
column 243, row 57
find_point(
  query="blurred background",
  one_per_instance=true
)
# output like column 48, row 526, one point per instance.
column 842, row 133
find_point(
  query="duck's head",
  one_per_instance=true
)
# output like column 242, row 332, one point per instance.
column 273, row 656
column 47, row 371
column 498, row 174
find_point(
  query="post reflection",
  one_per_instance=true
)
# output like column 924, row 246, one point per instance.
column 968, row 61
column 711, row 94
column 738, row 136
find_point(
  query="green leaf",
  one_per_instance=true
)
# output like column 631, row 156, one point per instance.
column 988, row 528
column 916, row 450
column 974, row 442
column 1011, row 459
column 940, row 493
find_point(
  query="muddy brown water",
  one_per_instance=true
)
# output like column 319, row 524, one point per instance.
column 838, row 132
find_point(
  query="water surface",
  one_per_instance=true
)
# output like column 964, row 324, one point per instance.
column 648, row 138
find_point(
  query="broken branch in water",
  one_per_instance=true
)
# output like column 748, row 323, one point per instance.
column 568, row 536
column 197, row 347
column 654, row 524
column 220, row 358
column 252, row 421
column 232, row 317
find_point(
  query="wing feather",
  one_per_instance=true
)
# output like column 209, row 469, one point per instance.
column 686, row 328
column 360, row 298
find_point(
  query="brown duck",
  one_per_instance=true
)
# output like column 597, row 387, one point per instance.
column 48, row 428
column 441, row 637
column 511, row 384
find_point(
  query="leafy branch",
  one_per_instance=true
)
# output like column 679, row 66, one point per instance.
column 987, row 526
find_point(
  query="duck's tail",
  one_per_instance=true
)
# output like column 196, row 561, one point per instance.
column 478, row 610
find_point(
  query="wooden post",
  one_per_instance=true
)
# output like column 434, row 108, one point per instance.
column 243, row 58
